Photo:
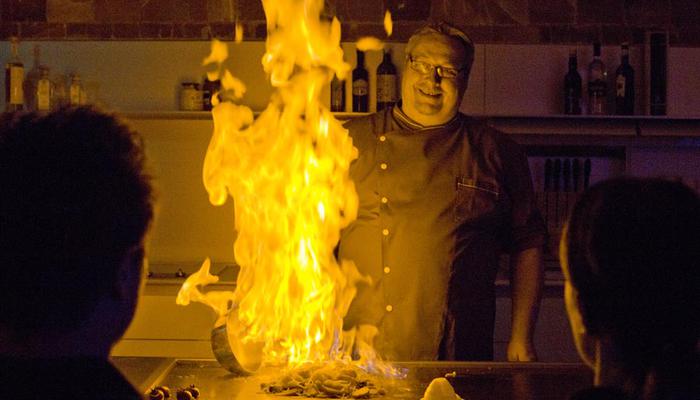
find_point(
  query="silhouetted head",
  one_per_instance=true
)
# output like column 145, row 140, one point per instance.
column 75, row 207
column 631, row 257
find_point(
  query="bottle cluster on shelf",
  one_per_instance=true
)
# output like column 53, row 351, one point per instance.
column 39, row 89
column 385, row 92
column 599, row 88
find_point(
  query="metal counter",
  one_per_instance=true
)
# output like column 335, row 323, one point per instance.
column 473, row 381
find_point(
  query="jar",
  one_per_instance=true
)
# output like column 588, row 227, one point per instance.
column 190, row 97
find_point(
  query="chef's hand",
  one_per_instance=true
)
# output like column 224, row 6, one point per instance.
column 521, row 350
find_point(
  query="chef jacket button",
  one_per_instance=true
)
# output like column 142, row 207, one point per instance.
column 383, row 166
column 387, row 270
column 385, row 200
column 385, row 232
column 382, row 138
column 389, row 308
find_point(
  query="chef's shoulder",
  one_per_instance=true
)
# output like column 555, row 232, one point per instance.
column 489, row 139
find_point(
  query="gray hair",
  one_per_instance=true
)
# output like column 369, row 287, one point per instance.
column 445, row 29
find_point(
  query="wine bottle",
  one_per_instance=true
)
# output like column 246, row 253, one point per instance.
column 658, row 49
column 597, row 83
column 210, row 90
column 360, row 85
column 337, row 94
column 624, row 84
column 572, row 86
column 386, row 82
column 14, row 77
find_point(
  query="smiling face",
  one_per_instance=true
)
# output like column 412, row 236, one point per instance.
column 426, row 97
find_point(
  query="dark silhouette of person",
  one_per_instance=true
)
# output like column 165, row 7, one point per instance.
column 631, row 259
column 76, row 204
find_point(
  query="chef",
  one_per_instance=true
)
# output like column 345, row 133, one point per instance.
column 442, row 196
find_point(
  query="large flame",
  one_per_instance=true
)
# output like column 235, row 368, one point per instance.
column 287, row 172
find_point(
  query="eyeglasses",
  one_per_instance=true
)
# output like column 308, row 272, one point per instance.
column 427, row 68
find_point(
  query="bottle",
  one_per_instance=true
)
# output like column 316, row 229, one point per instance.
column 14, row 79
column 76, row 94
column 360, row 85
column 658, row 70
column 624, row 84
column 59, row 91
column 597, row 84
column 44, row 91
column 31, row 79
column 386, row 82
column 209, row 90
column 572, row 86
column 190, row 97
column 337, row 94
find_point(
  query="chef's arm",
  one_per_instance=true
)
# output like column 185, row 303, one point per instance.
column 527, row 280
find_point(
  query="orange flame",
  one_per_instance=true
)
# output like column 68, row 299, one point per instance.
column 287, row 172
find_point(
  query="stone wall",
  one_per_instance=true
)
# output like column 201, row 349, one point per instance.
column 486, row 21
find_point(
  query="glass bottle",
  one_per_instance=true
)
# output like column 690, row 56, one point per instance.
column 624, row 84
column 597, row 84
column 386, row 82
column 658, row 72
column 209, row 90
column 59, row 90
column 14, row 79
column 76, row 94
column 572, row 86
column 360, row 85
column 31, row 79
column 337, row 94
column 44, row 90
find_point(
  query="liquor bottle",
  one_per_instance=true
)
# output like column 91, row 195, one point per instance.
column 337, row 94
column 658, row 49
column 14, row 77
column 572, row 86
column 31, row 79
column 76, row 94
column 44, row 91
column 386, row 82
column 360, row 85
column 624, row 84
column 597, row 84
column 209, row 90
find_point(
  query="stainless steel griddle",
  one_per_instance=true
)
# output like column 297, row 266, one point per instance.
column 473, row 381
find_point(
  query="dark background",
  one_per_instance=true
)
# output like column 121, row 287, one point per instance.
column 486, row 21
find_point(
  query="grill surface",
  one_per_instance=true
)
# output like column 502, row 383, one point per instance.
column 474, row 381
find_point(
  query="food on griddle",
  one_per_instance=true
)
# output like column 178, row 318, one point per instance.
column 330, row 380
column 440, row 389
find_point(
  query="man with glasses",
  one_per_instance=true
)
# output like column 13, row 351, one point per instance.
column 442, row 195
